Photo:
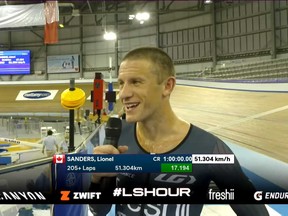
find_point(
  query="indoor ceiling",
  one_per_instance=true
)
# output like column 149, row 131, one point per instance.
column 112, row 12
column 100, row 7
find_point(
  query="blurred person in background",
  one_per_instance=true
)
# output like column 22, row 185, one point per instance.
column 50, row 144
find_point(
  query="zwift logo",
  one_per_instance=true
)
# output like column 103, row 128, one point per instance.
column 65, row 195
column 37, row 94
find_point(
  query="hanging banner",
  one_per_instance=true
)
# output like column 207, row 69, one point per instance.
column 13, row 16
column 52, row 19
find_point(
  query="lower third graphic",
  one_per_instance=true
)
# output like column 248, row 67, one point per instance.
column 154, row 192
column 65, row 195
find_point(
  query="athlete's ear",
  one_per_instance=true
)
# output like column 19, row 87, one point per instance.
column 169, row 85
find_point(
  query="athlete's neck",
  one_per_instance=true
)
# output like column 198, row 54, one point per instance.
column 163, row 135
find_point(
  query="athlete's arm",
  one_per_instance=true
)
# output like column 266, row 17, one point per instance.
column 249, row 209
column 96, row 181
column 100, row 209
column 231, row 176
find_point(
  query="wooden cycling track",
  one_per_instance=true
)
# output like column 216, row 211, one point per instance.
column 254, row 120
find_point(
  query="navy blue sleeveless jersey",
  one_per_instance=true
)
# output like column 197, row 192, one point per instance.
column 197, row 141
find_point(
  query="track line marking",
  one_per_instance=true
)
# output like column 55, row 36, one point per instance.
column 212, row 129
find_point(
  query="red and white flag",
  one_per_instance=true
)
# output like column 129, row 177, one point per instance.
column 52, row 19
column 59, row 158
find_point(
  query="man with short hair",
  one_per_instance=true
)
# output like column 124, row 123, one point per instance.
column 50, row 143
column 146, row 81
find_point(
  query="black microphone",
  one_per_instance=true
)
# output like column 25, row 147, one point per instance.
column 112, row 135
column 113, row 131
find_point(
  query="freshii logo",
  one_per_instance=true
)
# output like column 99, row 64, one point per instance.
column 37, row 94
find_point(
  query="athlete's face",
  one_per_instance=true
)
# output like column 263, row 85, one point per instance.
column 140, row 93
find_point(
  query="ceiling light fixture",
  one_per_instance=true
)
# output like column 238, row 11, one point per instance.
column 131, row 17
column 110, row 35
column 141, row 17
column 207, row 1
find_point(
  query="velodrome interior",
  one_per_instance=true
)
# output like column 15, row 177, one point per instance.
column 231, row 68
